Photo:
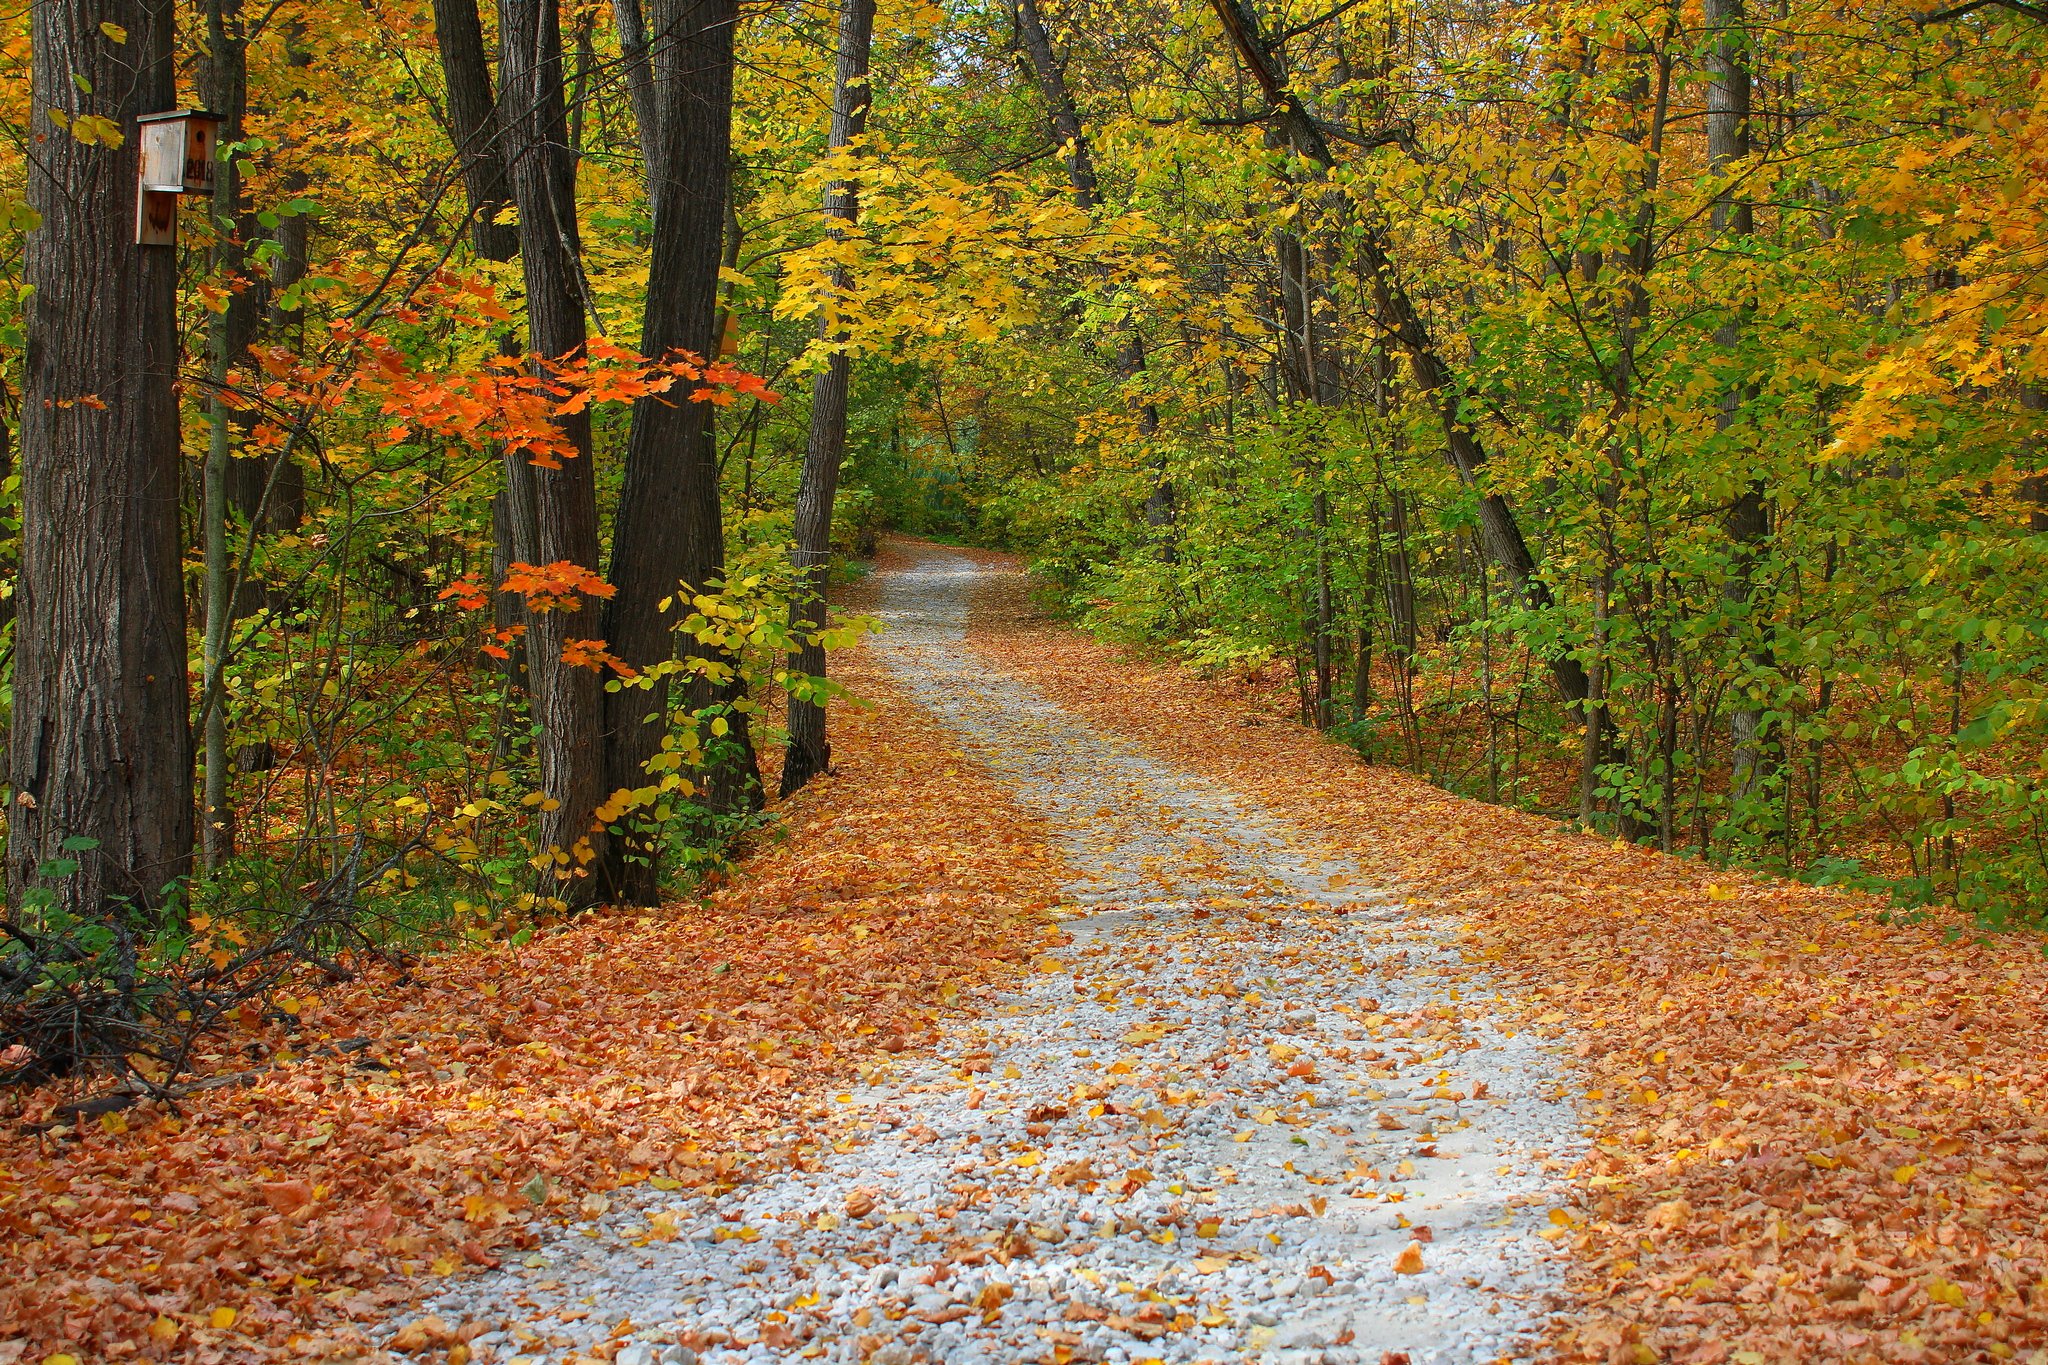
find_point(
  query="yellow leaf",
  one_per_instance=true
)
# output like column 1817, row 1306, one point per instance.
column 114, row 32
column 443, row 1266
column 96, row 128
column 1409, row 1262
column 220, row 1319
column 1904, row 1174
column 1208, row 1229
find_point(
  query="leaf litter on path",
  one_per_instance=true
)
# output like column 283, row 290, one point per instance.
column 498, row 1092
column 1234, row 1115
column 1816, row 1136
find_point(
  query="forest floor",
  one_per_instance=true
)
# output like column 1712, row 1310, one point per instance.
column 1087, row 1014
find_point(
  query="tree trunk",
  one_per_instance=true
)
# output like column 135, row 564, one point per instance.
column 1049, row 73
column 567, row 698
column 271, row 497
column 669, row 529
column 474, row 127
column 226, row 73
column 638, row 59
column 102, row 741
column 1749, row 520
column 1051, row 77
column 809, row 752
column 1498, row 526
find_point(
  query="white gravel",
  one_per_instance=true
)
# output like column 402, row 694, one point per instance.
column 1114, row 1162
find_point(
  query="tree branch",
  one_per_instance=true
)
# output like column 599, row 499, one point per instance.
column 2038, row 13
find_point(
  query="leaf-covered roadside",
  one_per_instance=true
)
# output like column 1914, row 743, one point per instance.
column 686, row 1047
column 1816, row 1136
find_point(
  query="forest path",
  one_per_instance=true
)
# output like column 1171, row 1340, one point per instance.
column 1237, row 1117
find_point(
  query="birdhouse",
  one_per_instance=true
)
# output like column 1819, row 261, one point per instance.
column 177, row 157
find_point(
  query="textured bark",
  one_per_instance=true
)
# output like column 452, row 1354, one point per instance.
column 473, row 125
column 567, row 699
column 669, row 529
column 1500, row 530
column 634, row 50
column 102, row 742
column 809, row 752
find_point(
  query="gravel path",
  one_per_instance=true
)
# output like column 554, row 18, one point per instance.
column 1241, row 1116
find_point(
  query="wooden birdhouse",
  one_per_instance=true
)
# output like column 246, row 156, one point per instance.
column 177, row 159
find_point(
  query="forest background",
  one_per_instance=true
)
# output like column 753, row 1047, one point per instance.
column 1632, row 412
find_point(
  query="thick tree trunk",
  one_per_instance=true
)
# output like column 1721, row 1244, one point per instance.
column 474, row 127
column 102, row 742
column 567, row 698
column 669, row 531
column 809, row 752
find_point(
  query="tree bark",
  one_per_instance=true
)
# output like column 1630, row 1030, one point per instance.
column 102, row 742
column 1051, row 77
column 567, row 698
column 226, row 77
column 638, row 58
column 809, row 751
column 474, row 127
column 669, row 531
